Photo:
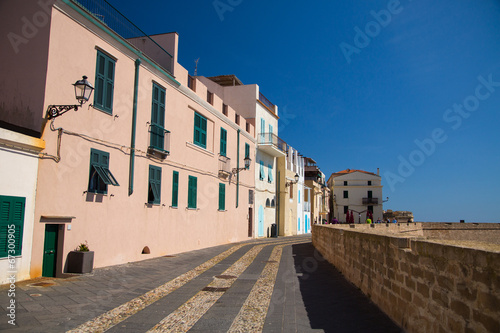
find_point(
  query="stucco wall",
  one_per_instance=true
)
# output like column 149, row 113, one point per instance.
column 18, row 174
column 118, row 225
column 422, row 285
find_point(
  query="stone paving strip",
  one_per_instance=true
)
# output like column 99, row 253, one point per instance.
column 113, row 317
column 253, row 313
column 182, row 319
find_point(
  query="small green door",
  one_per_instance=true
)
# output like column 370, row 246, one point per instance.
column 50, row 250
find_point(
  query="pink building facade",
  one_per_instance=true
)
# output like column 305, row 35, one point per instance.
column 151, row 165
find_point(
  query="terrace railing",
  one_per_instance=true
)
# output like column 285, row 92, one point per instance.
column 104, row 12
column 266, row 102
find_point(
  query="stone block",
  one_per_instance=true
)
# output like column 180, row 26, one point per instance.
column 455, row 325
column 409, row 283
column 406, row 295
column 445, row 283
column 423, row 289
column 461, row 309
column 466, row 292
column 490, row 324
column 488, row 301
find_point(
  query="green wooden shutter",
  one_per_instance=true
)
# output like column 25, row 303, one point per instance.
column 262, row 173
column 247, row 152
column 270, row 173
column 11, row 219
column 222, row 196
column 175, row 189
column 154, row 189
column 104, row 82
column 192, row 191
column 158, row 118
column 223, row 141
column 200, row 130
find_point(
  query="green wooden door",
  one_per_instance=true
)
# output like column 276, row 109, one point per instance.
column 50, row 250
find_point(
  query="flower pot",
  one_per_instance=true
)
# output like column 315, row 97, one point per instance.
column 80, row 262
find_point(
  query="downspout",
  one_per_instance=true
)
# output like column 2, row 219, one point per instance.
column 134, row 121
column 238, row 174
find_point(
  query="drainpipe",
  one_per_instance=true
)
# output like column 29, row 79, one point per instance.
column 238, row 167
column 134, row 121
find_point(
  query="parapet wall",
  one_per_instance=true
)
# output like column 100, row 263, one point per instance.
column 422, row 285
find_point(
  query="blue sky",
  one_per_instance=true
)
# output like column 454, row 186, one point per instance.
column 410, row 87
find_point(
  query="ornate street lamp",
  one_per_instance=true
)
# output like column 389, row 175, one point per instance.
column 247, row 161
column 83, row 90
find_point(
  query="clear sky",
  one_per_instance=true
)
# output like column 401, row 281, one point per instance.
column 410, row 87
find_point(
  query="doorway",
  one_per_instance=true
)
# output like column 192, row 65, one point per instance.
column 50, row 250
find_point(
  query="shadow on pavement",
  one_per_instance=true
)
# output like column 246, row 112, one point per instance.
column 332, row 303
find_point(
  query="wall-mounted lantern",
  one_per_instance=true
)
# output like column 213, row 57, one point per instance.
column 293, row 181
column 247, row 161
column 83, row 90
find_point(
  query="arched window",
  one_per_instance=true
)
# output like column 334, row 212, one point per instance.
column 272, row 203
column 268, row 203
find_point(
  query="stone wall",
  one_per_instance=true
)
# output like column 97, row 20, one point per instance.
column 422, row 285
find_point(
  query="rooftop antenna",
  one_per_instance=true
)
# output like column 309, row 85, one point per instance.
column 196, row 67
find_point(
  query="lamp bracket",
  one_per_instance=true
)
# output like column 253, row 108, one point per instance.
column 237, row 170
column 54, row 111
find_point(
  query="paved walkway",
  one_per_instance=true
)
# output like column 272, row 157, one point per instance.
column 270, row 285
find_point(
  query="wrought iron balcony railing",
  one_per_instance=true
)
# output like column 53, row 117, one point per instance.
column 370, row 201
column 104, row 12
column 273, row 139
column 159, row 139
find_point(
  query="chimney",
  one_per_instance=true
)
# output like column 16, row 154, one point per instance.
column 378, row 171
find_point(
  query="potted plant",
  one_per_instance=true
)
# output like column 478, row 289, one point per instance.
column 81, row 260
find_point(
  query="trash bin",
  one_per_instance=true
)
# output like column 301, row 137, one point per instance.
column 274, row 230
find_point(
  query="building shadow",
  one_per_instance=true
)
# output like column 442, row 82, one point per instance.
column 332, row 303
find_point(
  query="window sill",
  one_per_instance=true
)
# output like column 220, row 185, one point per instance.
column 174, row 207
column 220, row 210
column 187, row 208
column 200, row 149
column 98, row 108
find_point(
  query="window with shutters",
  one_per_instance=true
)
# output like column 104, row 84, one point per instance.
column 200, row 130
column 100, row 175
column 223, row 142
column 261, row 172
column 157, row 127
column 270, row 173
column 247, row 153
column 11, row 225
column 222, row 196
column 192, row 192
column 175, row 189
column 104, row 82
column 154, row 185
column 346, row 194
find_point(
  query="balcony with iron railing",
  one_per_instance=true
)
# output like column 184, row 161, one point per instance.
column 271, row 144
column 224, row 166
column 110, row 17
column 159, row 141
column 370, row 201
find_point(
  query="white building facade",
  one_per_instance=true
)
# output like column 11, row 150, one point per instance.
column 356, row 191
